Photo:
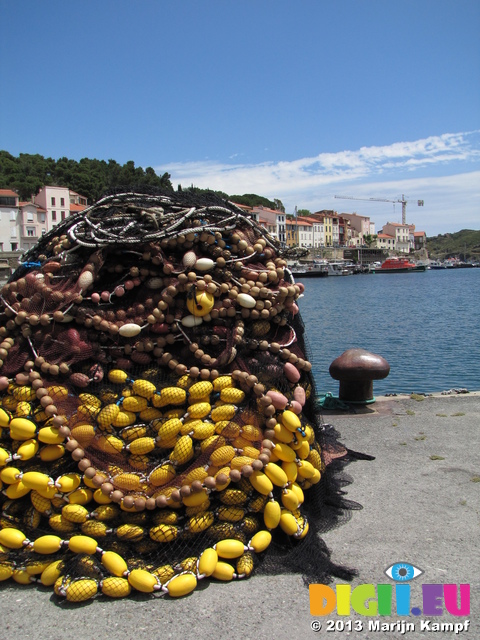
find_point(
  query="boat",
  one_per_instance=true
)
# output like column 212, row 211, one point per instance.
column 339, row 268
column 437, row 264
column 315, row 270
column 400, row 265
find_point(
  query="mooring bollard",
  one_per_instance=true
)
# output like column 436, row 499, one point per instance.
column 356, row 369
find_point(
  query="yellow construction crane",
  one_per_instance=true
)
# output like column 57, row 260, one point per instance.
column 402, row 201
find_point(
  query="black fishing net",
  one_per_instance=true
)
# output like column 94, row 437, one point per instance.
column 158, row 418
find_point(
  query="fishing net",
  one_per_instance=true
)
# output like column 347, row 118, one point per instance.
column 158, row 418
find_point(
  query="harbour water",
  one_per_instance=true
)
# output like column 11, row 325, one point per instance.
column 426, row 325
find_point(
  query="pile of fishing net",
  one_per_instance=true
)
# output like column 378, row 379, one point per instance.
column 158, row 422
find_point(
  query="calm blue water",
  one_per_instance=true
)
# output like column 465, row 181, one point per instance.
column 426, row 325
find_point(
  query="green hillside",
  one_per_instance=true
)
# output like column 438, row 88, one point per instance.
column 27, row 173
column 464, row 244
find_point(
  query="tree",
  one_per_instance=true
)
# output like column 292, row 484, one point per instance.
column 370, row 239
column 91, row 178
column 303, row 212
column 253, row 200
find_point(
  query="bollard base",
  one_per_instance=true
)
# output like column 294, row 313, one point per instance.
column 358, row 391
column 356, row 369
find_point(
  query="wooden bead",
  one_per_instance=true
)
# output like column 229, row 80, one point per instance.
column 98, row 480
column 84, row 464
column 71, row 445
column 107, row 488
column 161, row 501
column 210, row 482
column 139, row 504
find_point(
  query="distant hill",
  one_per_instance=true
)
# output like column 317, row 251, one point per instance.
column 464, row 244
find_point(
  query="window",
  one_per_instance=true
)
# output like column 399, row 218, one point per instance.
column 54, row 216
column 14, row 246
column 31, row 232
column 41, row 217
column 44, row 231
column 63, row 215
column 12, row 215
column 7, row 201
column 62, row 202
column 53, row 202
column 29, row 216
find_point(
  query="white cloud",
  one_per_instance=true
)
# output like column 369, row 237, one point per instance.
column 451, row 202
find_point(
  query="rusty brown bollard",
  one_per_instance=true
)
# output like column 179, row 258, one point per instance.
column 356, row 369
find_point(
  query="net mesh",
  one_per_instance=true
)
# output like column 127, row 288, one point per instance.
column 158, row 418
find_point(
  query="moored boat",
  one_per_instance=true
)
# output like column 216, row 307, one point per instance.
column 339, row 268
column 314, row 270
column 399, row 265
column 437, row 264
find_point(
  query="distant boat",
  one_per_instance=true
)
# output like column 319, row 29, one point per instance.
column 400, row 265
column 339, row 268
column 315, row 270
column 437, row 264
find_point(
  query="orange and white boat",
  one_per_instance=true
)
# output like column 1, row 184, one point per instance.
column 399, row 265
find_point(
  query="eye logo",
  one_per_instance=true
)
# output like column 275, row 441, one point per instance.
column 403, row 572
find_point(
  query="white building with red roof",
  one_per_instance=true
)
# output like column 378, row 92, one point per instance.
column 401, row 233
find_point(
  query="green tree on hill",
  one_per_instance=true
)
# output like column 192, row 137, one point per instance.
column 252, row 200
column 27, row 173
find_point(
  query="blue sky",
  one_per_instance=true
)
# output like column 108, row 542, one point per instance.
column 299, row 101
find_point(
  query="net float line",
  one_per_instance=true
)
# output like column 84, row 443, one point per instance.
column 157, row 404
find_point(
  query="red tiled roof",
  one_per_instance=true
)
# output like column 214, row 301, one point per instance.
column 27, row 202
column 419, row 233
column 310, row 219
column 8, row 192
column 242, row 206
column 260, row 208
column 300, row 221
column 385, row 235
column 77, row 207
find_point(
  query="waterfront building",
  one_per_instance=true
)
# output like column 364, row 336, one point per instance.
column 8, row 220
column 419, row 240
column 77, row 199
column 361, row 224
column 23, row 223
column 330, row 221
column 385, row 241
column 272, row 217
column 305, row 231
column 271, row 227
column 401, row 233
column 31, row 225
column 299, row 232
column 56, row 202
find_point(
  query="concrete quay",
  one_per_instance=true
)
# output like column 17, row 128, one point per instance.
column 420, row 499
